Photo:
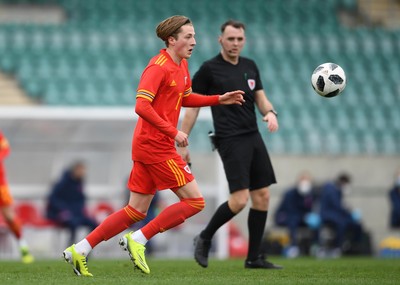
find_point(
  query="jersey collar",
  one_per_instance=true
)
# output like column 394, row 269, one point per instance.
column 220, row 57
column 164, row 52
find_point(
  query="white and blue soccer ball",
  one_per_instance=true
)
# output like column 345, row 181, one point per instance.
column 328, row 80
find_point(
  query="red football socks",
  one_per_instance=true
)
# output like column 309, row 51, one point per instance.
column 114, row 224
column 172, row 216
column 15, row 227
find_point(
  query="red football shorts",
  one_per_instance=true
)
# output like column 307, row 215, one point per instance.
column 5, row 196
column 148, row 178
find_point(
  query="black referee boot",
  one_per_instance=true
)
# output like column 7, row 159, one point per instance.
column 261, row 263
column 201, row 249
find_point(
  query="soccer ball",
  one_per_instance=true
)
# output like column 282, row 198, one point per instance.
column 328, row 80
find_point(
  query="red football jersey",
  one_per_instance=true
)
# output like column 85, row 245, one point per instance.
column 4, row 151
column 164, row 83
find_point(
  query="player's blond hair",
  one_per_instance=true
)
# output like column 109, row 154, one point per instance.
column 171, row 27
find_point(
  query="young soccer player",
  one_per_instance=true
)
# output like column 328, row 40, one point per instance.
column 6, row 202
column 165, row 86
column 246, row 161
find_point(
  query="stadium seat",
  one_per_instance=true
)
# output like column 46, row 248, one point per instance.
column 30, row 215
column 101, row 211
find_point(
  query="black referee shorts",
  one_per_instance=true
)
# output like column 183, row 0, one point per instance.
column 246, row 162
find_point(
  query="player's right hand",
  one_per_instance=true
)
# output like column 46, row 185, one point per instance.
column 181, row 139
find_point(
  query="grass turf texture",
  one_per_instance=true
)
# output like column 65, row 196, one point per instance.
column 298, row 271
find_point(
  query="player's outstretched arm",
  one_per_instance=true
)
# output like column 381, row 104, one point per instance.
column 197, row 100
column 232, row 97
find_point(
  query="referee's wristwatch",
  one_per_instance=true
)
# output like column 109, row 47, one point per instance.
column 273, row 112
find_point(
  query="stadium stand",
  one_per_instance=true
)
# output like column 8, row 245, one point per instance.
column 95, row 57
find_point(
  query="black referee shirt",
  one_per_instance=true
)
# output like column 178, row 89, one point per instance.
column 217, row 76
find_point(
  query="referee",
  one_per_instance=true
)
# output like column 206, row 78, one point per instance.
column 245, row 158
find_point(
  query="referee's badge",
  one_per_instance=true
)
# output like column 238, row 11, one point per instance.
column 252, row 83
column 187, row 169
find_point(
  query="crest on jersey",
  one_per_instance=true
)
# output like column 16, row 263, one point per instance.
column 187, row 169
column 251, row 83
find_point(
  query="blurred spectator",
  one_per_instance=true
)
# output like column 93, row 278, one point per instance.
column 338, row 217
column 6, row 202
column 296, row 211
column 67, row 201
column 394, row 195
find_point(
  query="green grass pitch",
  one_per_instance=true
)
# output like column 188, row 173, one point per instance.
column 358, row 271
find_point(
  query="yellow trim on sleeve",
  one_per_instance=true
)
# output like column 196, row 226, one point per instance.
column 187, row 92
column 142, row 93
column 144, row 97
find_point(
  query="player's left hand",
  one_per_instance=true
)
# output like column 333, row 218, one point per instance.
column 233, row 97
column 272, row 120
